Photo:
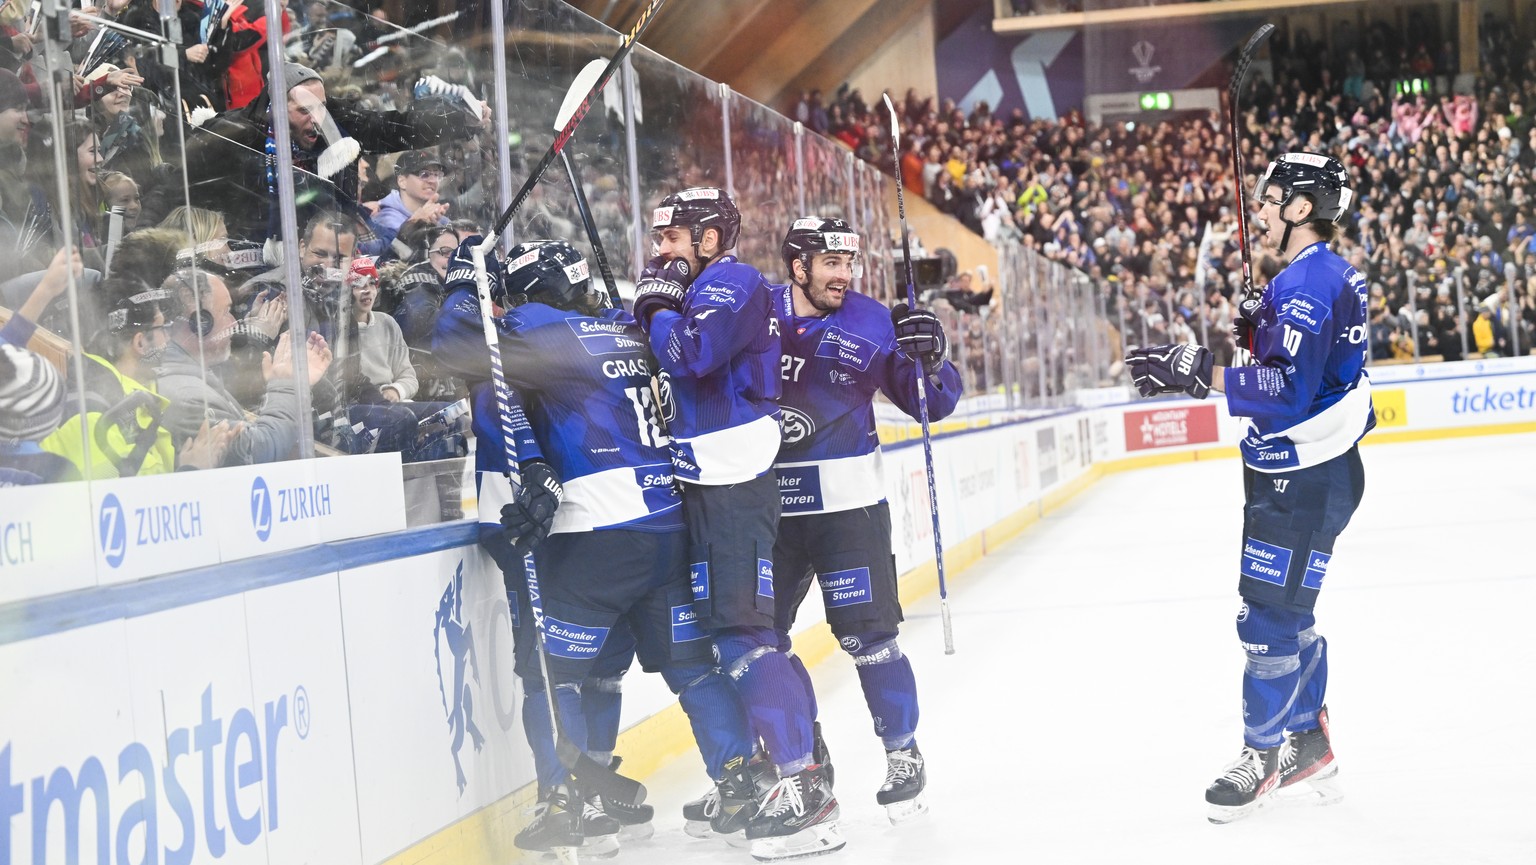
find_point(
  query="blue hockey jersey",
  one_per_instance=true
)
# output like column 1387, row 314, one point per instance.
column 832, row 367
column 585, row 384
column 1307, row 398
column 720, row 384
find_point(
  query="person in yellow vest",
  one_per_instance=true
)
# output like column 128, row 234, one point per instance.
column 1482, row 330
column 121, row 428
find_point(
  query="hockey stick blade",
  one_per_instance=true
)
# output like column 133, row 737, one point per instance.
column 582, row 85
column 1234, row 131
column 593, row 777
column 1245, row 57
column 577, row 114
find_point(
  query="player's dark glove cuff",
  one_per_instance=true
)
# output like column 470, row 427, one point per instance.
column 527, row 519
column 1171, row 369
column 920, row 336
column 1246, row 322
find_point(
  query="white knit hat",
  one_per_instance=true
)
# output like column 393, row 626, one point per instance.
column 31, row 395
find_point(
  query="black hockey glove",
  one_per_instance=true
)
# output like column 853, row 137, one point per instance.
column 920, row 336
column 527, row 519
column 1245, row 322
column 1171, row 368
column 662, row 285
column 461, row 270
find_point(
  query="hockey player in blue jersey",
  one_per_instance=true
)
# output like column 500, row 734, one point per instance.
column 614, row 565
column 711, row 326
column 1307, row 402
column 840, row 349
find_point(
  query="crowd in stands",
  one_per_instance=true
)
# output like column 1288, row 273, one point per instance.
column 169, row 197
column 1445, row 229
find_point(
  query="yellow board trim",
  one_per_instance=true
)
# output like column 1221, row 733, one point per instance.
column 486, row 835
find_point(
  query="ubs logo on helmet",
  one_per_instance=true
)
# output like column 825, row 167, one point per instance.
column 796, row 425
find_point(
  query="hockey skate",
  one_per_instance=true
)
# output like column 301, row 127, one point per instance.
column 820, row 754
column 1245, row 786
column 1308, row 774
column 796, row 818
column 902, row 792
column 725, row 810
column 634, row 820
column 567, row 824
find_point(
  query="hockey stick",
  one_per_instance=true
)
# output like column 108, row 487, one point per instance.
column 591, row 776
column 573, row 98
column 569, row 129
column 1234, row 89
column 922, row 387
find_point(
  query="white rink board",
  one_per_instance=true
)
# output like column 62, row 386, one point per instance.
column 363, row 664
column 405, row 730
column 45, row 546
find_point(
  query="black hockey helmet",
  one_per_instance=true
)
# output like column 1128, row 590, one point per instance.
column 699, row 208
column 553, row 273
column 1321, row 178
column 810, row 236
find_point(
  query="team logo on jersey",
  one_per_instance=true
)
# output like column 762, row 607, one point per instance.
column 795, row 425
column 1242, row 614
column 664, row 394
column 837, row 376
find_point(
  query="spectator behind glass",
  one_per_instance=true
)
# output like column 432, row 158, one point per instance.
column 122, row 427
column 121, row 192
column 26, row 219
column 31, row 407
column 200, row 335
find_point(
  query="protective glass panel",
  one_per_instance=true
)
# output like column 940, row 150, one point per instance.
column 767, row 185
column 679, row 134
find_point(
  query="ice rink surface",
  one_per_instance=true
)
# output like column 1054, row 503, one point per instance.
column 1094, row 692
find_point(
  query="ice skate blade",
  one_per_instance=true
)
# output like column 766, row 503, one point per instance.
column 1317, row 790
column 816, row 840
column 599, row 847
column 701, row 830
column 905, row 812
column 633, row 832
column 1223, row 814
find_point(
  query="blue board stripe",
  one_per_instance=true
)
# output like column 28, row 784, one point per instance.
column 38, row 617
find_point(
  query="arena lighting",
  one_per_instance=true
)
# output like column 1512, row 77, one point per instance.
column 1159, row 101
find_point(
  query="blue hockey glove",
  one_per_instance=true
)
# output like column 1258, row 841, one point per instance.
column 662, row 285
column 1245, row 322
column 1171, row 368
column 920, row 336
column 527, row 519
